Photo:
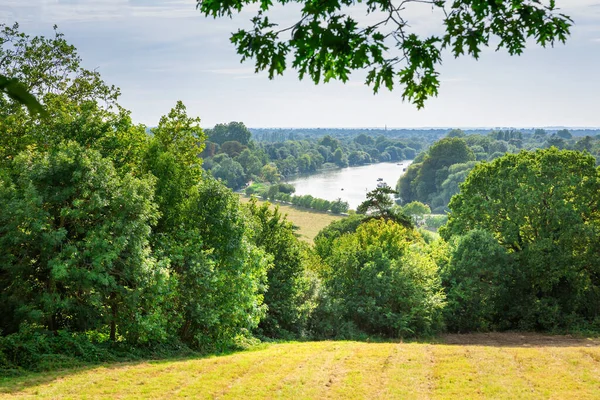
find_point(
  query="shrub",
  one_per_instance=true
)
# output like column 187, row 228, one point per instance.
column 477, row 282
column 381, row 280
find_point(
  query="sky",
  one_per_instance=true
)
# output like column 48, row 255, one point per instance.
column 161, row 51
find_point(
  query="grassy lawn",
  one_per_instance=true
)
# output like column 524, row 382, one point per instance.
column 310, row 222
column 495, row 366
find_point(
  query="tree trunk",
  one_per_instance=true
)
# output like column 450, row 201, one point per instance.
column 113, row 322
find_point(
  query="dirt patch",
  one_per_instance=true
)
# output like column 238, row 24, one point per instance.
column 519, row 339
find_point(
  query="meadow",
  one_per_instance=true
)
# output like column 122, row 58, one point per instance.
column 500, row 366
column 309, row 222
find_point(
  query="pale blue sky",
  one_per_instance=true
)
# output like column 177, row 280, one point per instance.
column 161, row 51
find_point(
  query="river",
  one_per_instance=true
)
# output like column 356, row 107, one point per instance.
column 350, row 184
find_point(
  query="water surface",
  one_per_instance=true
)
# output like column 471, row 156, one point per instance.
column 350, row 184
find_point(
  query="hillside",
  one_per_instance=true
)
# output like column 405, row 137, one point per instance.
column 469, row 366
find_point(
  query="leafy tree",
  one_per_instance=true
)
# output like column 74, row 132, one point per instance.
column 542, row 208
column 74, row 238
column 250, row 162
column 379, row 201
column 328, row 42
column 232, row 148
column 423, row 180
column 76, row 100
column 406, row 184
column 233, row 131
column 564, row 133
column 339, row 158
column 230, row 172
column 584, row 144
column 270, row 173
column 288, row 286
column 220, row 274
column 339, row 206
column 416, row 208
column 173, row 157
column 459, row 133
column 457, row 174
column 556, row 141
column 330, row 142
column 364, row 140
column 381, row 281
column 477, row 283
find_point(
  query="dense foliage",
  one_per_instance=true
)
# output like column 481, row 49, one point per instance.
column 542, row 209
column 116, row 240
column 435, row 175
column 380, row 280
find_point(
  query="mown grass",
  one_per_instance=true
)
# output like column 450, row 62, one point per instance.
column 309, row 222
column 341, row 370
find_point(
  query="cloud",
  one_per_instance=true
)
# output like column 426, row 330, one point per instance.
column 60, row 11
column 230, row 71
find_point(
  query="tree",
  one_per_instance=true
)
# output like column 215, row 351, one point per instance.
column 379, row 201
column 250, row 163
column 233, row 131
column 379, row 205
column 457, row 174
column 232, row 148
column 477, row 283
column 584, row 144
column 270, row 173
column 74, row 237
column 173, row 158
column 220, row 274
column 564, row 133
column 381, row 281
column 230, row 172
column 288, row 285
column 339, row 158
column 327, row 42
column 542, row 208
column 422, row 181
column 456, row 133
column 364, row 140
column 78, row 103
column 416, row 208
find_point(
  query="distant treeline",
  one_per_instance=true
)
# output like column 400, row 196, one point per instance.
column 283, row 134
column 284, row 192
column 233, row 155
column 436, row 175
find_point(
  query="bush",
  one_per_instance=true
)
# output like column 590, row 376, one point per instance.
column 381, row 280
column 286, row 188
column 435, row 221
column 339, row 206
column 477, row 281
column 35, row 350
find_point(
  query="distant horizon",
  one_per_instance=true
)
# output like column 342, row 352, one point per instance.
column 426, row 127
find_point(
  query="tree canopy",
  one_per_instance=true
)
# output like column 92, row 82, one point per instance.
column 542, row 208
column 327, row 41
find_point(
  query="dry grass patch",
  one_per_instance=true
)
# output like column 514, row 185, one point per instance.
column 309, row 222
column 534, row 368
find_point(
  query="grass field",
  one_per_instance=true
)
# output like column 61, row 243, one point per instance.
column 309, row 222
column 505, row 366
